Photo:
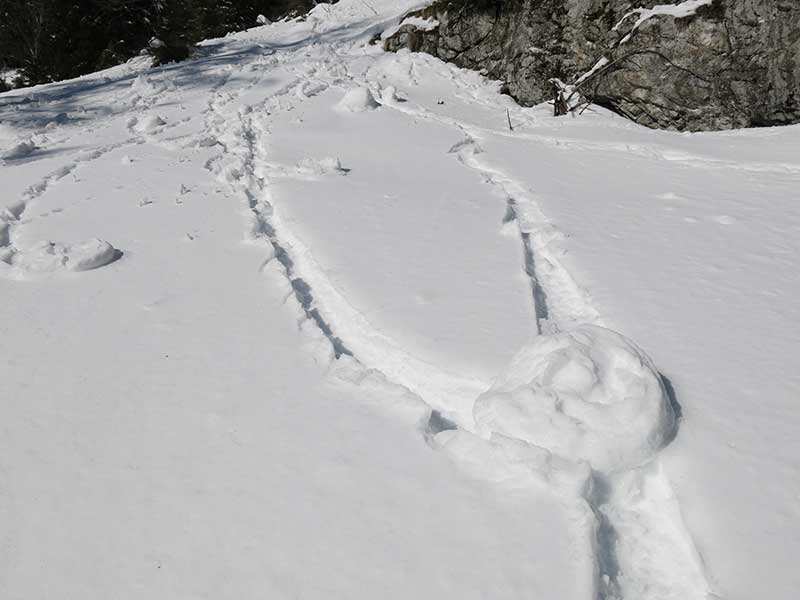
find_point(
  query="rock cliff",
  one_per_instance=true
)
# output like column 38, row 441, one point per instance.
column 687, row 65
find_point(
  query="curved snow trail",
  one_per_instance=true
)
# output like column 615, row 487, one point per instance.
column 245, row 167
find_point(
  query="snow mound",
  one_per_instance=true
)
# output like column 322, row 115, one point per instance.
column 147, row 87
column 18, row 150
column 147, row 125
column 389, row 95
column 321, row 166
column 358, row 99
column 49, row 257
column 587, row 394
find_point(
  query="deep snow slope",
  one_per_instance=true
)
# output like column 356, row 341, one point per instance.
column 299, row 319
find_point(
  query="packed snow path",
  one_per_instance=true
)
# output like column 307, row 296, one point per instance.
column 404, row 228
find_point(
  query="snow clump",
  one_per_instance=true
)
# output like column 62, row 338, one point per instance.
column 586, row 395
column 358, row 99
column 321, row 166
column 49, row 257
column 150, row 124
column 18, row 150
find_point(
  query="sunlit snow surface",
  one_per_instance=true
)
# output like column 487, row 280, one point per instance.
column 301, row 319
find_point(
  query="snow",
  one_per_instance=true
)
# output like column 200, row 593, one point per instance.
column 148, row 124
column 18, row 150
column 419, row 23
column 602, row 62
column 46, row 257
column 357, row 100
column 684, row 9
column 396, row 351
column 585, row 395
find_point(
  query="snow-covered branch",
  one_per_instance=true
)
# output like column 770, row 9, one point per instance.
column 678, row 11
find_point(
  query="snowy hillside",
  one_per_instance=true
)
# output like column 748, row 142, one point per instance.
column 300, row 318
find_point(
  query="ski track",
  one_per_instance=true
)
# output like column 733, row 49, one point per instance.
column 638, row 503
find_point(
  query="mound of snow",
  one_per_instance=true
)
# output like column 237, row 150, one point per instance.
column 147, row 87
column 150, row 124
column 321, row 166
column 18, row 150
column 48, row 257
column 389, row 95
column 358, row 99
column 587, row 394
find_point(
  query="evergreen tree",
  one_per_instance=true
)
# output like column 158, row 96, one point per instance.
column 49, row 40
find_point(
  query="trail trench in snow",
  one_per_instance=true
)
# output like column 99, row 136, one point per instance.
column 641, row 549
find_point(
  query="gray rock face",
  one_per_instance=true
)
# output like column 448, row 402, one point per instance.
column 726, row 64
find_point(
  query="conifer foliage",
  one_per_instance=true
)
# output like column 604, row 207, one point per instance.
column 50, row 40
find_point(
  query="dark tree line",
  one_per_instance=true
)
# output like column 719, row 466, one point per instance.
column 50, row 40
